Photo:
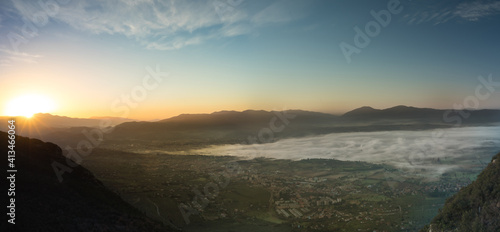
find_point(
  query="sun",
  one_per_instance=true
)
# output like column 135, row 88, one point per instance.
column 28, row 105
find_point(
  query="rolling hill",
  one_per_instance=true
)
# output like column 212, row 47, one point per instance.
column 235, row 127
column 224, row 127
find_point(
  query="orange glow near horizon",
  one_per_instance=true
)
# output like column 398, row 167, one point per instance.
column 28, row 105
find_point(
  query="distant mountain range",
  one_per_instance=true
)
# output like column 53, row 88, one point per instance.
column 252, row 117
column 248, row 116
column 475, row 208
column 230, row 127
column 251, row 126
column 55, row 121
column 229, row 121
column 43, row 123
column 366, row 115
column 225, row 127
column 398, row 112
column 56, row 128
column 79, row 203
column 402, row 113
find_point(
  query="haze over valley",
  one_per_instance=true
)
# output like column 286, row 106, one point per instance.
column 436, row 151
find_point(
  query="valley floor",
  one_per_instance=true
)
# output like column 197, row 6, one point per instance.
column 223, row 193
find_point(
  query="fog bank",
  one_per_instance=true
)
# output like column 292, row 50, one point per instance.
column 436, row 150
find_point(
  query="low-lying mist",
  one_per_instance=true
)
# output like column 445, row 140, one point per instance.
column 435, row 151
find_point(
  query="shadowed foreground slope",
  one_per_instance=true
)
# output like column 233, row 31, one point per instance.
column 79, row 203
column 475, row 207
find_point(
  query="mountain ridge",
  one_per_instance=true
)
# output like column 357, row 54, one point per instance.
column 251, row 126
column 58, row 121
column 364, row 112
column 474, row 208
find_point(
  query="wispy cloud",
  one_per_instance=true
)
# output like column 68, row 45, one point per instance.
column 433, row 16
column 162, row 25
column 470, row 11
column 280, row 12
column 8, row 57
column 473, row 11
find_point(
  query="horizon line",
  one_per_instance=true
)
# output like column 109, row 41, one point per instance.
column 218, row 111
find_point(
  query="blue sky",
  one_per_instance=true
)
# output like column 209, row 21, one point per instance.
column 241, row 54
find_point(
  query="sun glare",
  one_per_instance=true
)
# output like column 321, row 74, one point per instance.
column 28, row 105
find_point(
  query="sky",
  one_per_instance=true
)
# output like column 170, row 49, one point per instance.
column 147, row 59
